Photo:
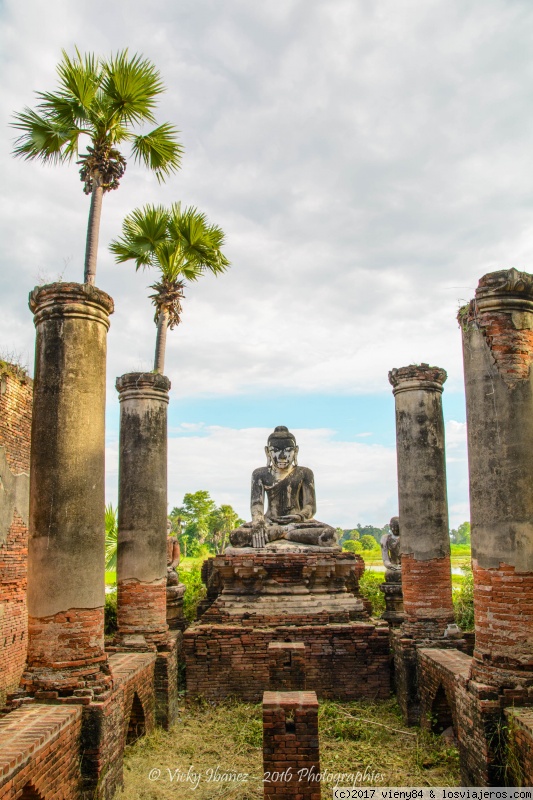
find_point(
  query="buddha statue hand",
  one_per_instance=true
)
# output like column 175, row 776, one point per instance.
column 288, row 518
column 259, row 539
column 259, row 535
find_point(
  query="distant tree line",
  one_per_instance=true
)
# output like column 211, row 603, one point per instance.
column 200, row 525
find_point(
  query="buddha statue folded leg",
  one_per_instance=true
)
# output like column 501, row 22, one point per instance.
column 241, row 537
column 314, row 533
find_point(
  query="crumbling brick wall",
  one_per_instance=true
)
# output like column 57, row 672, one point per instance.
column 440, row 673
column 15, row 434
column 520, row 722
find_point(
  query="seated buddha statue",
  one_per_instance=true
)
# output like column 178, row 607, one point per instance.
column 291, row 502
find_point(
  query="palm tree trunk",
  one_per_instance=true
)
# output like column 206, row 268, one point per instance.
column 161, row 341
column 93, row 230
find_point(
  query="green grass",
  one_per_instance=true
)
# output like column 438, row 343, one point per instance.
column 460, row 554
column 110, row 577
column 354, row 737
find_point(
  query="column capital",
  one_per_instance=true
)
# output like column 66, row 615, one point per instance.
column 142, row 385
column 417, row 376
column 81, row 300
column 505, row 290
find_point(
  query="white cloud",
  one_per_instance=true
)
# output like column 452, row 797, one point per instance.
column 368, row 162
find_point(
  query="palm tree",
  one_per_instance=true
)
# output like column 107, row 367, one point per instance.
column 103, row 99
column 182, row 245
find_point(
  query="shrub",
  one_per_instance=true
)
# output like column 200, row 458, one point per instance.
column 463, row 600
column 195, row 590
column 110, row 613
column 368, row 542
column 369, row 584
column 352, row 547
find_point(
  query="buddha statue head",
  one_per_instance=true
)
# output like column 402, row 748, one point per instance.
column 281, row 449
column 394, row 526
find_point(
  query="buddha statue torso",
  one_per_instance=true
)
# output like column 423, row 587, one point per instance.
column 291, row 504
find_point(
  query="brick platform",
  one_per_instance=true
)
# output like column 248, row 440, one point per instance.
column 107, row 726
column 39, row 751
column 291, row 760
column 477, row 713
column 310, row 598
column 286, row 666
column 440, row 672
column 409, row 683
column 346, row 662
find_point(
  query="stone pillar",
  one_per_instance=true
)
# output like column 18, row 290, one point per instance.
column 425, row 542
column 497, row 329
column 66, row 548
column 290, row 746
column 142, row 510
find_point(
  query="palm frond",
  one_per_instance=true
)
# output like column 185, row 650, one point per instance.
column 200, row 242
column 143, row 232
column 43, row 138
column 159, row 150
column 132, row 85
column 111, row 537
column 80, row 78
column 64, row 110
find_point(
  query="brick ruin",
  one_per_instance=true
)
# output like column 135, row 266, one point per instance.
column 287, row 627
column 489, row 694
column 73, row 703
column 15, row 428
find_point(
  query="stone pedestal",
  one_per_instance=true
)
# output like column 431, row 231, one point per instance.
column 175, row 591
column 142, row 511
column 497, row 332
column 66, row 547
column 394, row 613
column 286, row 593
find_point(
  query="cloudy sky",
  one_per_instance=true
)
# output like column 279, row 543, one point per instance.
column 368, row 160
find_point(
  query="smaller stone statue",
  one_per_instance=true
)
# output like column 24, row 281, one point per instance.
column 290, row 494
column 390, row 552
column 392, row 588
column 175, row 589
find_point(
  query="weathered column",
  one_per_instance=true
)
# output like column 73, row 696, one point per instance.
column 142, row 510
column 498, row 352
column 66, row 546
column 425, row 542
